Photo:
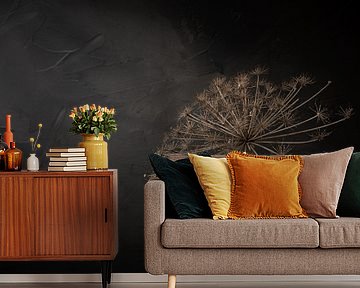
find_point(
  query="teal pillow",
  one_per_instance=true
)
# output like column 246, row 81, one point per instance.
column 181, row 186
column 349, row 202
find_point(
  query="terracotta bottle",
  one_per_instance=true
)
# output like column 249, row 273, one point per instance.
column 13, row 158
column 8, row 135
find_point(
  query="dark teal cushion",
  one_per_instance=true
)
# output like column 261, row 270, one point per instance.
column 349, row 202
column 182, row 186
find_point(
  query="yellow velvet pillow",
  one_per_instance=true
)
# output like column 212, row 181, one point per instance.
column 264, row 186
column 215, row 179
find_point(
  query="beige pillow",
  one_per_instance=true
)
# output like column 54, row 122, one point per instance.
column 215, row 179
column 321, row 181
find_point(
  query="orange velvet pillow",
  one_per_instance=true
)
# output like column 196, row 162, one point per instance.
column 264, row 186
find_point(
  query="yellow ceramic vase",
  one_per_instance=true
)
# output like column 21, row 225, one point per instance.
column 96, row 151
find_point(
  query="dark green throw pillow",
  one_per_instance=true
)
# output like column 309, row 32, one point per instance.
column 349, row 202
column 182, row 186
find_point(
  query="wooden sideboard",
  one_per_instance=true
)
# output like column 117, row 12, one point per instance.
column 59, row 216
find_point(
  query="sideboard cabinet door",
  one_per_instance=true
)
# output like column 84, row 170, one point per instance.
column 73, row 216
column 16, row 217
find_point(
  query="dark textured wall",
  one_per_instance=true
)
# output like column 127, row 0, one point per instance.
column 148, row 59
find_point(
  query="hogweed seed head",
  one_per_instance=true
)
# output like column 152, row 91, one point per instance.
column 249, row 113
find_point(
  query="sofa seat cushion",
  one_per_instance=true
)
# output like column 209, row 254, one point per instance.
column 343, row 232
column 249, row 233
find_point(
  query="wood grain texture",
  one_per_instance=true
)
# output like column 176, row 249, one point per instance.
column 16, row 217
column 58, row 216
column 70, row 215
column 115, row 215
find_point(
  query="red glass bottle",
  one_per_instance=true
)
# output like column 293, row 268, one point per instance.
column 8, row 135
column 13, row 158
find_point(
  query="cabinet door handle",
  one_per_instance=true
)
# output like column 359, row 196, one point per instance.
column 106, row 215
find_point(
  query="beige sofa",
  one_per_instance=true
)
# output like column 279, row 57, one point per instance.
column 246, row 247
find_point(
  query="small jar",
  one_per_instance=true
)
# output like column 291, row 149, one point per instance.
column 32, row 162
column 13, row 158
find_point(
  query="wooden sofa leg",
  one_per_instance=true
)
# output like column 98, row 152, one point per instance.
column 171, row 281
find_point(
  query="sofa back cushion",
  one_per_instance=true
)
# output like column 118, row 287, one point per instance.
column 215, row 179
column 321, row 181
column 265, row 186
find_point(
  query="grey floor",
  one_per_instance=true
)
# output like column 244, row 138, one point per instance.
column 195, row 285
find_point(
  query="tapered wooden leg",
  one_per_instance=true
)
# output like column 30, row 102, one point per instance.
column 171, row 281
column 104, row 273
column 109, row 270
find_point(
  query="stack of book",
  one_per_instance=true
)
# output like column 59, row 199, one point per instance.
column 67, row 159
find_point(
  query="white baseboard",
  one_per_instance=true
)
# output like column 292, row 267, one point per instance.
column 147, row 278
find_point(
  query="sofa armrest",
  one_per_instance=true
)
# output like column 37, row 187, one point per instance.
column 154, row 216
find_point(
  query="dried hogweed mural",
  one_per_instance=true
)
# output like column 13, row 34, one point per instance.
column 249, row 113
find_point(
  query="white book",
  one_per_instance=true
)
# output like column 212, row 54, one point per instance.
column 65, row 154
column 67, row 149
column 68, row 163
column 67, row 168
column 65, row 159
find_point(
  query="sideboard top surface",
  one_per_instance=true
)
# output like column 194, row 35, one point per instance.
column 45, row 173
